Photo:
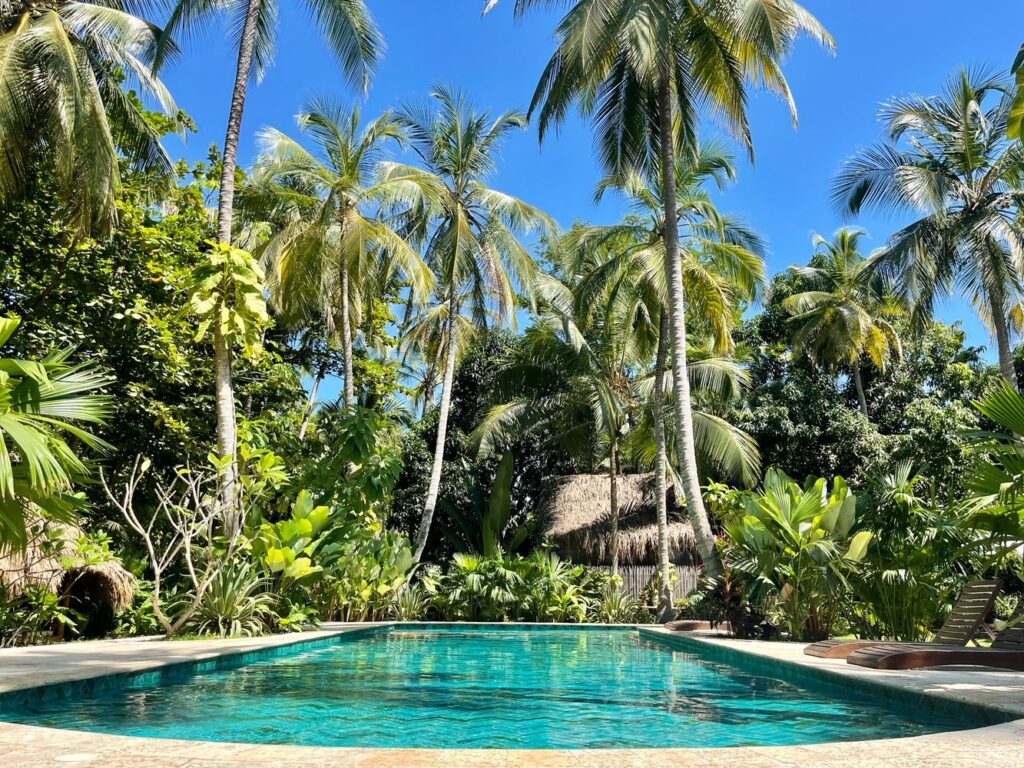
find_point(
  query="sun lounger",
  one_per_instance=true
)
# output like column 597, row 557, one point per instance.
column 962, row 626
column 1006, row 652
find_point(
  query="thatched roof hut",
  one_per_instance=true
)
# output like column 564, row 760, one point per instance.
column 575, row 515
column 107, row 586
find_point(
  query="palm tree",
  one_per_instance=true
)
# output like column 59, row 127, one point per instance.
column 334, row 249
column 844, row 314
column 471, row 236
column 63, row 70
column 948, row 162
column 353, row 37
column 46, row 401
column 722, row 267
column 644, row 69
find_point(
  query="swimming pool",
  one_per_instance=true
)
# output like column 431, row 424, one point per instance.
column 487, row 687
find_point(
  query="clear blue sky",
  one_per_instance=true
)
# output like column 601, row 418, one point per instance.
column 885, row 48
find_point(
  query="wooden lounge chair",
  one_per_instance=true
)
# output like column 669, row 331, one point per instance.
column 962, row 626
column 1006, row 652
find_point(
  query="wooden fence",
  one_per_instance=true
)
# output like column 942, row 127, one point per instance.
column 635, row 579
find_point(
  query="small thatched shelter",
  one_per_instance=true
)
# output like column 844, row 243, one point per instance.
column 575, row 514
column 97, row 591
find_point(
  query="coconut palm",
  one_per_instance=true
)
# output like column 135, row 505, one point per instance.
column 45, row 402
column 573, row 384
column 471, row 236
column 846, row 312
column 722, row 267
column 353, row 38
column 334, row 249
column 64, row 67
column 644, row 70
column 949, row 164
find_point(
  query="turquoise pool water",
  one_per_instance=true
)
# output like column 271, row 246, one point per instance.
column 479, row 687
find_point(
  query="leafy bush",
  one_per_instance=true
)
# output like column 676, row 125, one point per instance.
column 33, row 616
column 540, row 587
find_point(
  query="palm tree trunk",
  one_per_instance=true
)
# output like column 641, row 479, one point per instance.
column 348, row 396
column 660, row 468
column 307, row 413
column 442, row 428
column 677, row 321
column 613, row 478
column 859, row 384
column 1002, row 333
column 227, row 430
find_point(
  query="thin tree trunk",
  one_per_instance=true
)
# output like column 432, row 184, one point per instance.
column 705, row 539
column 859, row 384
column 227, row 438
column 1002, row 333
column 346, row 341
column 613, row 483
column 660, row 468
column 442, row 428
column 307, row 414
column 227, row 430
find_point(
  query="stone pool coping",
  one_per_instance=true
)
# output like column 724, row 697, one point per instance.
column 23, row 746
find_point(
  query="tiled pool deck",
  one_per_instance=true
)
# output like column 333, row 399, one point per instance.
column 1000, row 746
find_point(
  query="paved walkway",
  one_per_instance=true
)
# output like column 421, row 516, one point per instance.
column 1001, row 746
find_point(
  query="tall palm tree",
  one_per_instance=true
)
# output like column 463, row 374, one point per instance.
column 64, row 68
column 948, row 163
column 845, row 313
column 644, row 70
column 334, row 248
column 46, row 404
column 352, row 36
column 722, row 267
column 471, row 236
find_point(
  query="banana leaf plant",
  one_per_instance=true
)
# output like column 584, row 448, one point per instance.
column 798, row 546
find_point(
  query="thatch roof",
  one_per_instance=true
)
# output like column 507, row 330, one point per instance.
column 39, row 564
column 42, row 564
column 575, row 515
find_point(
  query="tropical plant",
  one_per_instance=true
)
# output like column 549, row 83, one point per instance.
column 332, row 254
column 42, row 404
column 617, row 607
column 64, row 67
column 845, row 311
column 643, row 70
column 476, row 589
column 916, row 561
column 471, row 236
column 236, row 604
column 409, row 603
column 995, row 479
column 948, row 162
column 795, row 545
column 28, row 618
column 353, row 38
column 484, row 530
column 227, row 297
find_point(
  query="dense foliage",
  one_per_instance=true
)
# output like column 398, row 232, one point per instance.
column 174, row 337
